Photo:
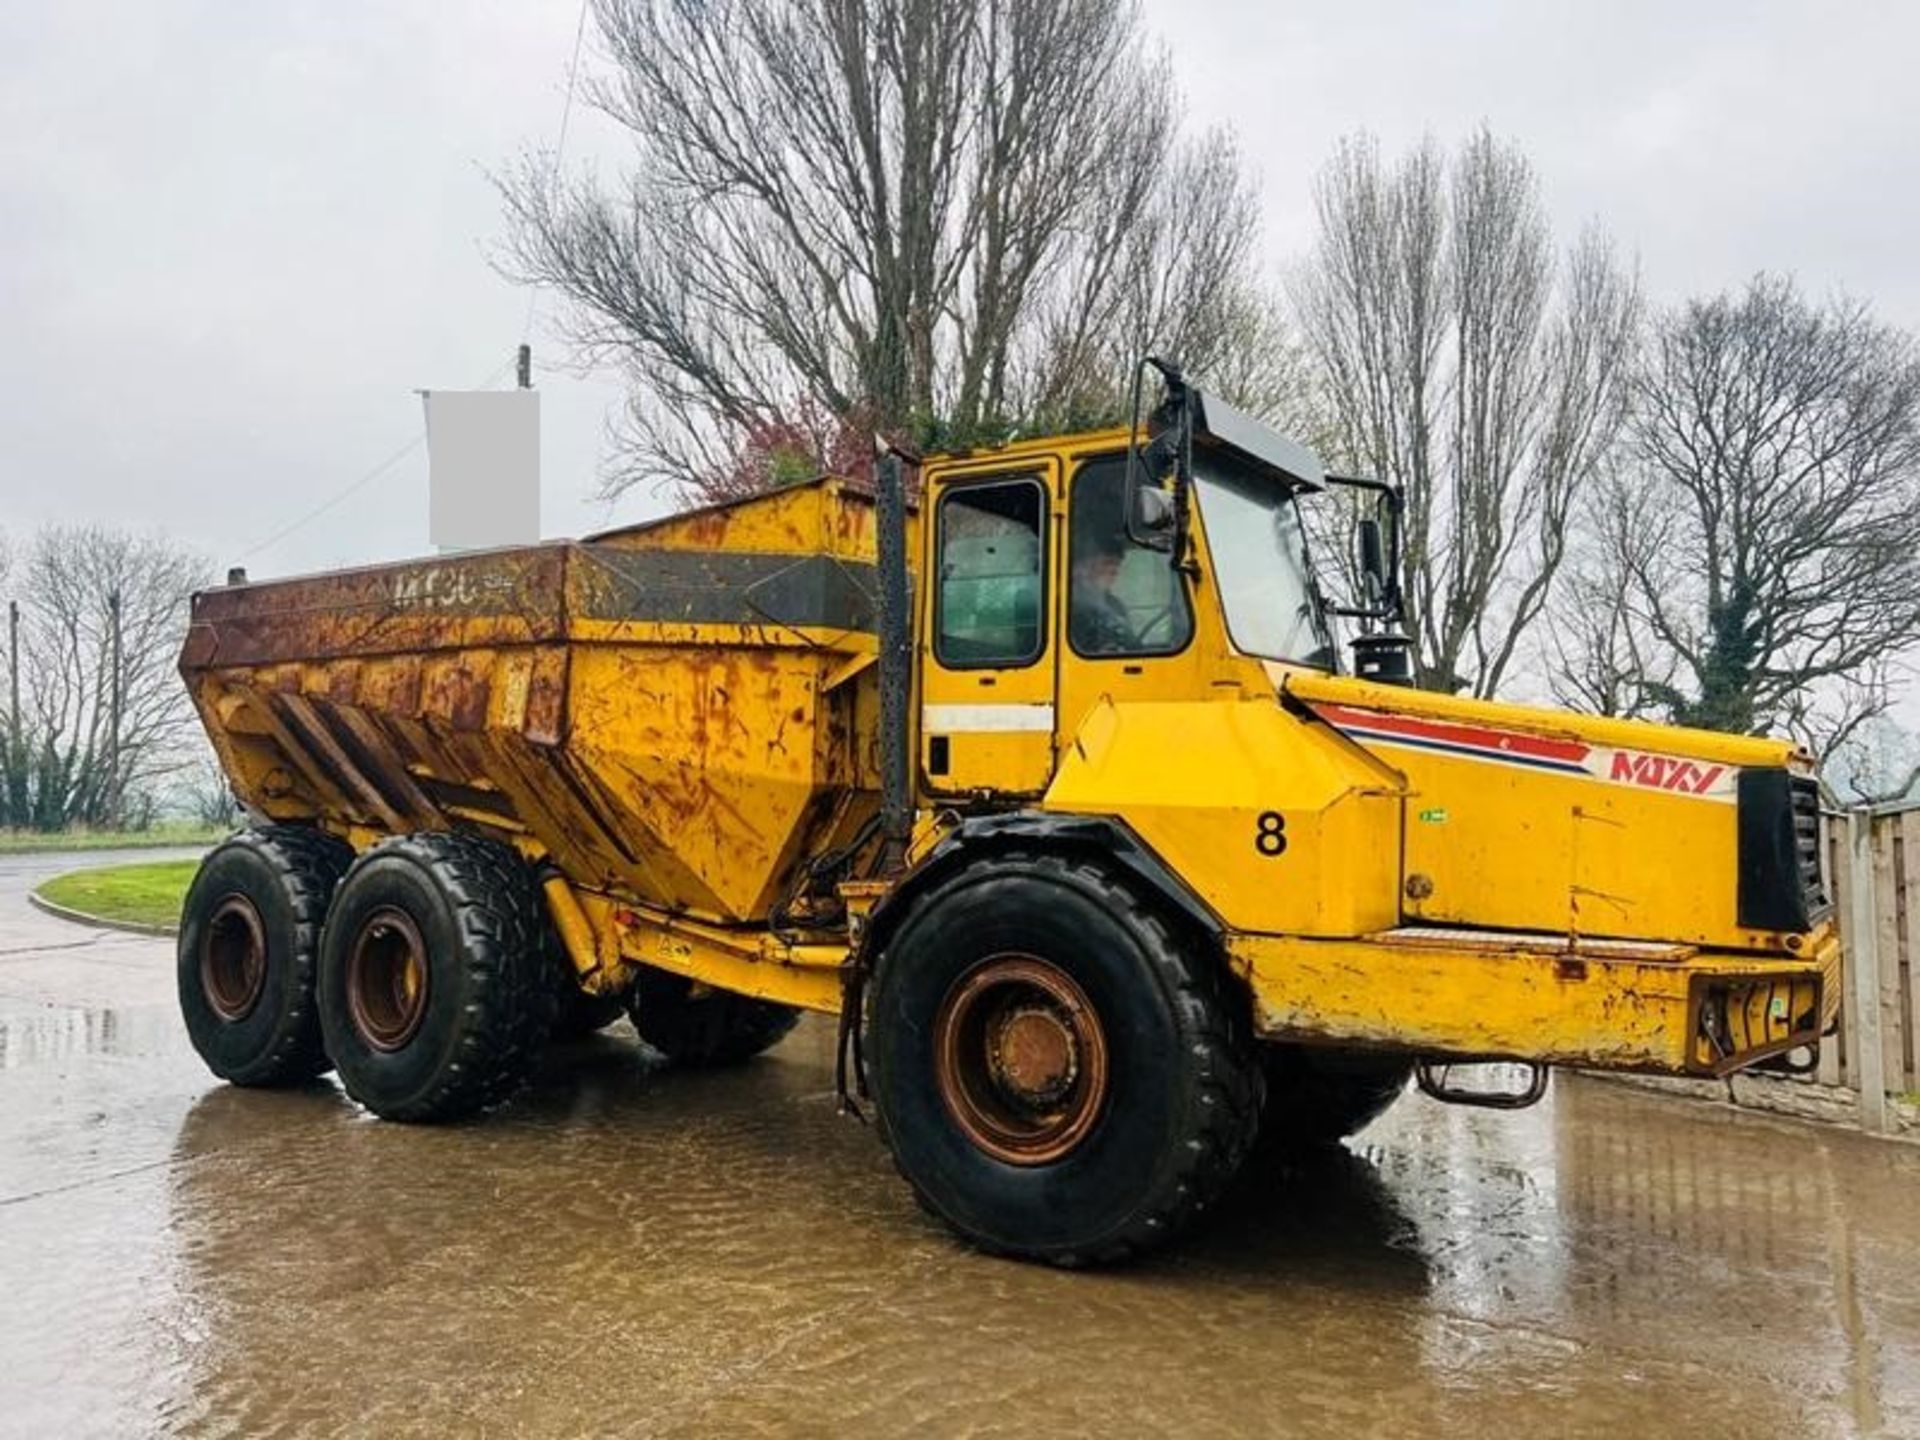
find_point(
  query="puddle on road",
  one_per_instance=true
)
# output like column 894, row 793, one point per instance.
column 43, row 1034
column 637, row 1249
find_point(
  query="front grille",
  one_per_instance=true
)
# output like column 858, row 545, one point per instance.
column 1781, row 883
column 1806, row 846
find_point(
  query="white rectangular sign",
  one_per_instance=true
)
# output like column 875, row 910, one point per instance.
column 483, row 464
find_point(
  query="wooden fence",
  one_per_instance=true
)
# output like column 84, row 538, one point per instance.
column 1877, row 1051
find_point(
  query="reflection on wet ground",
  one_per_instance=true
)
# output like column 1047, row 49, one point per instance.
column 632, row 1249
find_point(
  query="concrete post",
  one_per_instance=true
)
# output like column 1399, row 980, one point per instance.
column 1862, row 967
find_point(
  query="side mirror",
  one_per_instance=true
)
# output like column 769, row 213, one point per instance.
column 1372, row 555
column 1152, row 521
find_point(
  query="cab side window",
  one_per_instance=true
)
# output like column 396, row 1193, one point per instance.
column 992, row 575
column 1126, row 599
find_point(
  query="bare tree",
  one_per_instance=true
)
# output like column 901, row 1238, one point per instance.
column 1468, row 362
column 1762, row 544
column 1877, row 764
column 14, row 751
column 939, row 217
column 1602, row 659
column 107, row 716
column 203, row 792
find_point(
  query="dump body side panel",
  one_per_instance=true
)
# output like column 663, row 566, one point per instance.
column 666, row 713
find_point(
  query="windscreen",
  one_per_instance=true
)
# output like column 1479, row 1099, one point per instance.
column 1260, row 563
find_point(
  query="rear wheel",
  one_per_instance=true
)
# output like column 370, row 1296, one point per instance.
column 694, row 1024
column 249, row 942
column 1318, row 1097
column 433, row 992
column 1059, row 1078
column 581, row 1014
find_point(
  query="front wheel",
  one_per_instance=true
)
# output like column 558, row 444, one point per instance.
column 1059, row 1078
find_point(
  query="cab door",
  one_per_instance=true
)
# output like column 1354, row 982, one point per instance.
column 987, row 648
column 1127, row 618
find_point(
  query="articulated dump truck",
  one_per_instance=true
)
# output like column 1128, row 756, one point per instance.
column 1044, row 779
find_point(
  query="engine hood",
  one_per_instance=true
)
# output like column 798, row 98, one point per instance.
column 1630, row 752
column 1529, row 819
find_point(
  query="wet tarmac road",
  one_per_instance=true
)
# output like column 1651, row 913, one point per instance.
column 636, row 1250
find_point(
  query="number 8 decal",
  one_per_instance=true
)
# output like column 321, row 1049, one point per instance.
column 1270, row 838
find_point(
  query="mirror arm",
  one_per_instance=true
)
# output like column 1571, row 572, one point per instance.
column 1392, row 603
column 1176, row 403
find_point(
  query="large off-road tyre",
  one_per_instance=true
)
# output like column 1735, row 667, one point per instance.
column 579, row 1014
column 1317, row 1097
column 1061, row 1076
column 696, row 1025
column 249, row 943
column 434, row 997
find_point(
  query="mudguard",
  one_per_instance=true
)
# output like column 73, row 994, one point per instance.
column 1096, row 836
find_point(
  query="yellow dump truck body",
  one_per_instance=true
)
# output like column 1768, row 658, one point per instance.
column 1466, row 877
column 673, row 713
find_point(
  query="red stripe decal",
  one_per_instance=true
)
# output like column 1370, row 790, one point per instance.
column 1498, row 742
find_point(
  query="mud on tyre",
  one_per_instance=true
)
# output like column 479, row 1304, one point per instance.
column 248, row 947
column 1060, row 1076
column 433, row 992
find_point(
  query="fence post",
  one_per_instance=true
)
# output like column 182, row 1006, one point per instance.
column 1862, row 968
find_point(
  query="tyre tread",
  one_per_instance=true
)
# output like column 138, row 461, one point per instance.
column 713, row 1031
column 512, row 1003
column 309, row 864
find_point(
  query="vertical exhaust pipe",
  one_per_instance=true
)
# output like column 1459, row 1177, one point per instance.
column 896, row 742
column 896, row 666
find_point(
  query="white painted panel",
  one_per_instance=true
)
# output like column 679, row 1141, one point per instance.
column 976, row 719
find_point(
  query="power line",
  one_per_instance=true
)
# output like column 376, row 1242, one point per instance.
column 355, row 486
column 559, row 147
column 314, row 514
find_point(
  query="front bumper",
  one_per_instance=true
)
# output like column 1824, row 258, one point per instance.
column 1599, row 1004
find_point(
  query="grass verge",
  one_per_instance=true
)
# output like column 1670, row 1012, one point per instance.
column 146, row 894
column 22, row 842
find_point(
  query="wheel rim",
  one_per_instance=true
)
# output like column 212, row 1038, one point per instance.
column 1020, row 1059
column 387, row 979
column 233, row 959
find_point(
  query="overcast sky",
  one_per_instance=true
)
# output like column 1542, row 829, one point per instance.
column 236, row 237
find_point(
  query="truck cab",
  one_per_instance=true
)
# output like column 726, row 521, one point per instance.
column 1557, row 887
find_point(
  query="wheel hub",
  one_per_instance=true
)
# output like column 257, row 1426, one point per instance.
column 233, row 959
column 1021, row 1059
column 387, row 980
column 1034, row 1055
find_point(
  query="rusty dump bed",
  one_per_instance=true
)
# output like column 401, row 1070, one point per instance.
column 681, row 712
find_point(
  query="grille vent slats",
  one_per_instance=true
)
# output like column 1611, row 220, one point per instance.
column 1806, row 838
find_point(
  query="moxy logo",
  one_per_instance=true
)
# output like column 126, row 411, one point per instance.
column 1658, row 772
